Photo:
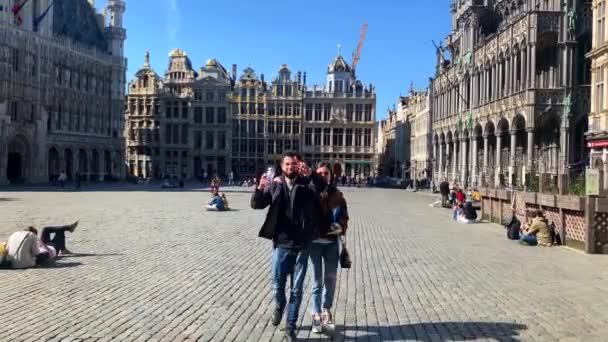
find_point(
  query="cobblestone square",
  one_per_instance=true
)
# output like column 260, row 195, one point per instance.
column 151, row 265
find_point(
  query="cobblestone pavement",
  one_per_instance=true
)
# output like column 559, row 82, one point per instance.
column 152, row 265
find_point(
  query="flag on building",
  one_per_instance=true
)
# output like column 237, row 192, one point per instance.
column 16, row 9
column 41, row 17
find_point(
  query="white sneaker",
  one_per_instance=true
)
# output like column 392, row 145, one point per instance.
column 317, row 328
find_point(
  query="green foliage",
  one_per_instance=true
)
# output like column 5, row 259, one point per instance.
column 578, row 185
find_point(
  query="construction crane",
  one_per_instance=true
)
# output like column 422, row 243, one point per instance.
column 357, row 54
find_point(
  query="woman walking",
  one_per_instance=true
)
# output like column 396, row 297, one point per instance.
column 325, row 251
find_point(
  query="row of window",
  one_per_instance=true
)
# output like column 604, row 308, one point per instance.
column 278, row 146
column 210, row 96
column 283, row 127
column 210, row 140
column 354, row 113
column 248, row 147
column 338, row 137
column 210, row 115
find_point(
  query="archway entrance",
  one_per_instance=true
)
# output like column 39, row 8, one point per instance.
column 54, row 167
column 17, row 160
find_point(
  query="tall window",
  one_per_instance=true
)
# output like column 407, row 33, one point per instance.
column 326, row 136
column 209, row 96
column 296, row 127
column 327, row 112
column 601, row 22
column 271, row 109
column 288, row 109
column 209, row 115
column 338, row 137
column 308, row 136
column 308, row 114
column 599, row 89
column 288, row 129
column 317, row 138
column 209, row 140
column 185, row 134
column 221, row 115
column 367, row 142
column 270, row 127
column 198, row 114
column 358, row 136
column 168, row 131
column 368, row 112
column 359, row 112
column 349, row 112
column 271, row 147
column 349, row 137
column 198, row 139
column 318, row 111
column 184, row 110
column 221, row 140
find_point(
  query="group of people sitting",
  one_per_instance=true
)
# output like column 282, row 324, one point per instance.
column 26, row 249
column 536, row 231
column 464, row 212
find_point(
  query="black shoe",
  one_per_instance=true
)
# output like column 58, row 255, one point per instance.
column 291, row 335
column 277, row 316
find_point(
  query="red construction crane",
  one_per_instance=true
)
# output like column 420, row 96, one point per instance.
column 359, row 47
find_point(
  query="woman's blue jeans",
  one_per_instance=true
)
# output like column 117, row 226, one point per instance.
column 324, row 257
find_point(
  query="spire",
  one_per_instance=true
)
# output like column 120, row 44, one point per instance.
column 339, row 46
column 147, row 59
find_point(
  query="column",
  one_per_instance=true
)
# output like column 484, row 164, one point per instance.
column 530, row 156
column 484, row 167
column 331, row 138
column 454, row 159
column 532, row 67
column 440, row 161
column 474, row 161
column 498, row 169
column 463, row 161
column 523, row 59
column 512, row 155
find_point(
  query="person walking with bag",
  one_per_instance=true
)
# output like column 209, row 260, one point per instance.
column 325, row 251
column 291, row 224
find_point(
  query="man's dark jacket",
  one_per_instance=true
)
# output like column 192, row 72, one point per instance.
column 444, row 188
column 305, row 197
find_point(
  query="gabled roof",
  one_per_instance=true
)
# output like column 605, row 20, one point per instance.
column 338, row 65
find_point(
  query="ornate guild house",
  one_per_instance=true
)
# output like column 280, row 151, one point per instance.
column 62, row 77
column 511, row 93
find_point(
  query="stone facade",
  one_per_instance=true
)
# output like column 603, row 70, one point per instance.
column 247, row 124
column 598, row 117
column 339, row 122
column 61, row 91
column 420, row 138
column 511, row 103
column 394, row 148
column 179, row 125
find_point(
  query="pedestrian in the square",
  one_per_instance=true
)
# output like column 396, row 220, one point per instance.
column 292, row 224
column 444, row 189
column 231, row 178
column 325, row 251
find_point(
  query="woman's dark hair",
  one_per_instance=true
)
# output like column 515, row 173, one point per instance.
column 326, row 165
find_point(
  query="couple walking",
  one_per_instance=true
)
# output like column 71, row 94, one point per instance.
column 306, row 216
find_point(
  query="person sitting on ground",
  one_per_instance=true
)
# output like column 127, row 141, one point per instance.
column 469, row 215
column 25, row 250
column 460, row 196
column 457, row 211
column 513, row 227
column 225, row 200
column 216, row 203
column 538, row 233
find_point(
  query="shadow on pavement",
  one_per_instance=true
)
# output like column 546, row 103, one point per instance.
column 84, row 255
column 60, row 264
column 432, row 331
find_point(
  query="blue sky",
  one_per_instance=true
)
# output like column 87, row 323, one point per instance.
column 304, row 34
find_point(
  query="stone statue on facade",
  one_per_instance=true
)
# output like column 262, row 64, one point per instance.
column 568, row 105
column 572, row 19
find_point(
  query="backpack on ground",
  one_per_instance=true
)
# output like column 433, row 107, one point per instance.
column 513, row 229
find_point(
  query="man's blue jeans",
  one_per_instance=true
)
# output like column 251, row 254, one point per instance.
column 324, row 257
column 289, row 262
column 529, row 240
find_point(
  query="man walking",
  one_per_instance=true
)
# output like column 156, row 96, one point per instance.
column 444, row 188
column 294, row 207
